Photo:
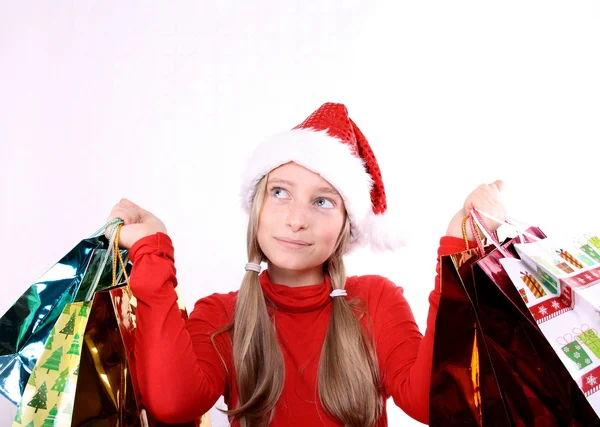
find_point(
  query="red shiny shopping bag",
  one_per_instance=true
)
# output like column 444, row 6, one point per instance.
column 492, row 365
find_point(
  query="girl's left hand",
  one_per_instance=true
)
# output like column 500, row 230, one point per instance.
column 486, row 198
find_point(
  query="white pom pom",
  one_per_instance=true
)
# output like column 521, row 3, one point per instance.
column 383, row 232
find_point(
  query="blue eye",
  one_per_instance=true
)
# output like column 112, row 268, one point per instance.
column 322, row 202
column 277, row 192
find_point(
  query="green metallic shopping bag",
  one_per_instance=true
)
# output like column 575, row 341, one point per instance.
column 26, row 327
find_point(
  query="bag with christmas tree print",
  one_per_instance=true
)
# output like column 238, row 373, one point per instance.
column 26, row 326
column 86, row 375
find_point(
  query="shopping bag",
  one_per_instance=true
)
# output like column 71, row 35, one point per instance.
column 567, row 320
column 567, row 267
column 560, row 302
column 124, row 304
column 464, row 390
column 26, row 326
column 85, row 376
column 508, row 373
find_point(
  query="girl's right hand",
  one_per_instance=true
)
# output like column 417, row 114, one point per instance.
column 138, row 223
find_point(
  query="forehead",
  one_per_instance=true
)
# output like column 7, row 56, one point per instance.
column 299, row 175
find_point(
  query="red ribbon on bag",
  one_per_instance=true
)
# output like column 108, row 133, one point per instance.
column 579, row 333
column 567, row 338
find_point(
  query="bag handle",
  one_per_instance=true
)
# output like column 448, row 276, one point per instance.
column 491, row 236
column 127, row 286
column 101, row 230
column 115, row 223
column 512, row 224
column 478, row 227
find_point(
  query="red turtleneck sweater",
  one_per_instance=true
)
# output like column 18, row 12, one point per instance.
column 181, row 375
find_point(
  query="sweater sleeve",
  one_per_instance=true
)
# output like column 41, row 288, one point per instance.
column 180, row 374
column 405, row 354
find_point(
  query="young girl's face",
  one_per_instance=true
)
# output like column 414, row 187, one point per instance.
column 301, row 218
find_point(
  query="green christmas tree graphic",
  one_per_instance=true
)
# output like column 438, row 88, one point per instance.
column 70, row 326
column 32, row 378
column 76, row 371
column 75, row 346
column 30, row 424
column 49, row 421
column 53, row 361
column 50, row 341
column 67, row 309
column 19, row 414
column 84, row 309
column 39, row 400
column 61, row 382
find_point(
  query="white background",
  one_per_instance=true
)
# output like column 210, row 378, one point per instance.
column 162, row 102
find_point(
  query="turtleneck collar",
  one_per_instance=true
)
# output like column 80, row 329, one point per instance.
column 298, row 299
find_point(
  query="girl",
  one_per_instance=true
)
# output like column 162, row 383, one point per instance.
column 300, row 344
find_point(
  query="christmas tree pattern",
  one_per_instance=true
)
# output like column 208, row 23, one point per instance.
column 50, row 340
column 67, row 309
column 569, row 258
column 39, row 400
column 76, row 372
column 52, row 403
column 49, row 421
column 84, row 310
column 75, row 346
column 30, row 424
column 32, row 378
column 53, row 361
column 62, row 382
column 70, row 326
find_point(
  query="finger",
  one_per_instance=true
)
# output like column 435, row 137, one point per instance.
column 490, row 197
column 128, row 202
column 124, row 214
column 499, row 184
column 494, row 191
column 481, row 199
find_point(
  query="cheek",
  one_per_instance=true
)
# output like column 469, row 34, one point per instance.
column 329, row 233
column 268, row 217
column 266, row 223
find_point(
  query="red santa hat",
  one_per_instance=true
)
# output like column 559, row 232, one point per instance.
column 329, row 143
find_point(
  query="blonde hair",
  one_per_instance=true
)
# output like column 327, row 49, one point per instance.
column 349, row 383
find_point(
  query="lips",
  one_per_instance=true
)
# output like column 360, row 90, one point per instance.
column 292, row 243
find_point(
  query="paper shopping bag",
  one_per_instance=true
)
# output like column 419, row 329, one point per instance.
column 26, row 326
column 568, row 326
column 572, row 268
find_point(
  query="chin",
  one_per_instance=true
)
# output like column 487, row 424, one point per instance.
column 292, row 262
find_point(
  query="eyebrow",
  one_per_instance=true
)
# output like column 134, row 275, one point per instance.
column 327, row 190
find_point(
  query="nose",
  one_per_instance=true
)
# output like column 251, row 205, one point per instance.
column 297, row 218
